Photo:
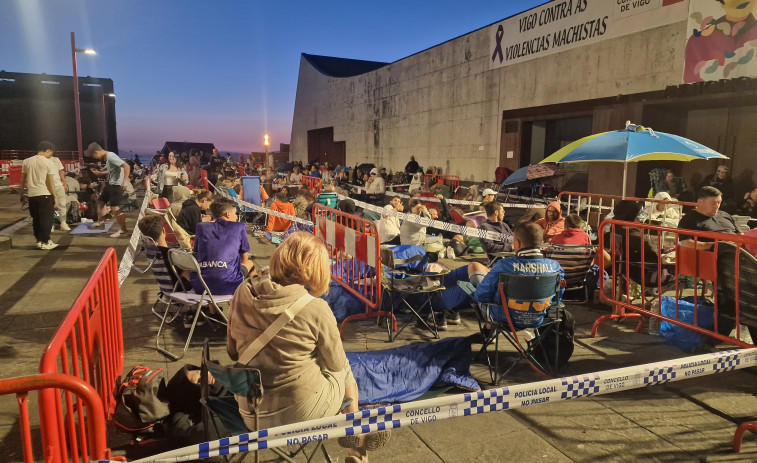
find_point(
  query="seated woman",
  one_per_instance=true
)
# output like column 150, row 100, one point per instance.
column 573, row 233
column 304, row 369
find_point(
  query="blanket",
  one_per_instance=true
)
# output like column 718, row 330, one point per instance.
column 405, row 373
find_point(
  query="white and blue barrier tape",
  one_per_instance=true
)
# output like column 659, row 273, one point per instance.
column 127, row 260
column 262, row 209
column 438, row 224
column 473, row 403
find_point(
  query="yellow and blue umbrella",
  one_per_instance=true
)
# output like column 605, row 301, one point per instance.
column 632, row 144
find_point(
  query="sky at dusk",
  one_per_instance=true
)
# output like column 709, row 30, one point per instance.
column 220, row 71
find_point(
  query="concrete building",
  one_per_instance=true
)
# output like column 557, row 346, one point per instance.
column 513, row 92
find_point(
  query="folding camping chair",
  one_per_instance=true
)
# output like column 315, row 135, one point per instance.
column 396, row 278
column 524, row 296
column 183, row 260
column 247, row 382
column 163, row 277
column 575, row 260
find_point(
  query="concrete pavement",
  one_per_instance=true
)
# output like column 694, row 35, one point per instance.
column 691, row 420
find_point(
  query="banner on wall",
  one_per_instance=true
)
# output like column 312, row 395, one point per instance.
column 722, row 40
column 565, row 24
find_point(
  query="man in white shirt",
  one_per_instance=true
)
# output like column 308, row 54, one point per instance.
column 389, row 226
column 38, row 174
column 60, row 189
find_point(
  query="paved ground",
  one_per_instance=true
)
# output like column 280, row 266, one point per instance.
column 691, row 420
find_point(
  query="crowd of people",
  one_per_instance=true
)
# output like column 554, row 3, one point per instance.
column 311, row 377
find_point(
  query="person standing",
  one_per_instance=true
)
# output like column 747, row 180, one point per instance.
column 38, row 176
column 112, row 195
column 60, row 190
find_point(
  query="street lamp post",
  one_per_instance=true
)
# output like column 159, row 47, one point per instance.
column 74, row 51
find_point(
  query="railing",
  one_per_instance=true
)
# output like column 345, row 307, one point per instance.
column 719, row 260
column 88, row 345
column 23, row 154
column 84, row 430
column 313, row 184
column 593, row 207
column 355, row 250
column 70, row 166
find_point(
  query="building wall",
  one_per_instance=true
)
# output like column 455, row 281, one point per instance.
column 444, row 105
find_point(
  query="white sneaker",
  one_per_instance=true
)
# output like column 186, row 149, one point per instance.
column 48, row 245
column 450, row 252
column 118, row 234
column 85, row 220
column 64, row 226
column 39, row 244
column 441, row 254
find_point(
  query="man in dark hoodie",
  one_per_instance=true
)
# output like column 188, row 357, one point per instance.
column 553, row 223
column 193, row 211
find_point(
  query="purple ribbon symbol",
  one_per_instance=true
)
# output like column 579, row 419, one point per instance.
column 498, row 48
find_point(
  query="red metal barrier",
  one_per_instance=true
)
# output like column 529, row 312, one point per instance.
column 88, row 345
column 4, row 167
column 313, row 184
column 23, row 154
column 70, row 166
column 355, row 250
column 86, row 432
column 452, row 181
column 593, row 207
column 680, row 260
column 14, row 176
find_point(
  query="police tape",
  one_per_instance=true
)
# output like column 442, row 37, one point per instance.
column 262, row 209
column 438, row 224
column 467, row 404
column 127, row 260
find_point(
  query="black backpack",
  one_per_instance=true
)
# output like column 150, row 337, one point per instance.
column 141, row 401
column 565, row 330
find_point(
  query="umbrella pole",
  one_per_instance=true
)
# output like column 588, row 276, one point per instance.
column 625, row 174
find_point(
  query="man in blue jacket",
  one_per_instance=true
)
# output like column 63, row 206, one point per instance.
column 528, row 260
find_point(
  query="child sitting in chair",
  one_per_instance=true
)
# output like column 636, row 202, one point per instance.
column 222, row 248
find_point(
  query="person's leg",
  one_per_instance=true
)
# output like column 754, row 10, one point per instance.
column 46, row 210
column 61, row 206
column 34, row 213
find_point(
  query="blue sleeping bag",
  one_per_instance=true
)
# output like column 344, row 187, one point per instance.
column 342, row 302
column 405, row 373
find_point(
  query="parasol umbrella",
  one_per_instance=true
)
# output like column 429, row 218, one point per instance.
column 632, row 144
column 532, row 172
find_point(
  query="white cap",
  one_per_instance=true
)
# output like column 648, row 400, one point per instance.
column 488, row 192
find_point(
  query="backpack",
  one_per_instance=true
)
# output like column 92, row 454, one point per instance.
column 565, row 332
column 141, row 402
column 328, row 199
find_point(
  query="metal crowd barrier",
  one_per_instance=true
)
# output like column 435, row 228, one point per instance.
column 70, row 166
column 314, row 184
column 14, row 176
column 88, row 346
column 88, row 442
column 452, row 181
column 680, row 261
column 4, row 165
column 355, row 250
column 593, row 207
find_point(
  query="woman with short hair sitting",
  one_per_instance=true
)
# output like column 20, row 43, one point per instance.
column 304, row 370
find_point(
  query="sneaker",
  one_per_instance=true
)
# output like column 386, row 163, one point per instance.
column 119, row 233
column 85, row 220
column 189, row 318
column 450, row 252
column 64, row 226
column 452, row 317
column 439, row 321
column 39, row 244
column 49, row 245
